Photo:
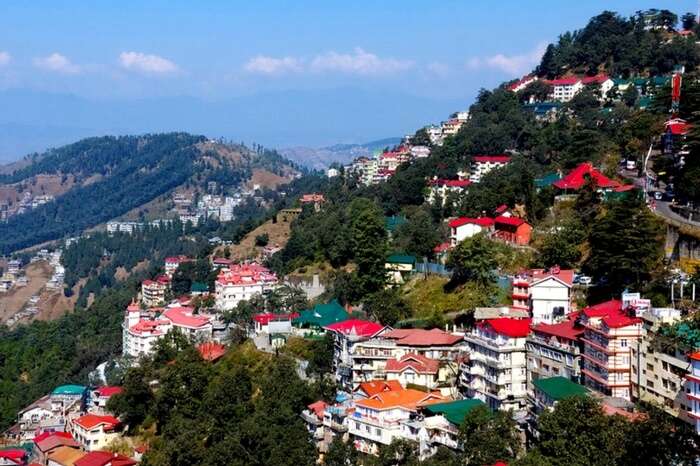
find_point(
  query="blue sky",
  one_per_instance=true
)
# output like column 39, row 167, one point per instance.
column 437, row 52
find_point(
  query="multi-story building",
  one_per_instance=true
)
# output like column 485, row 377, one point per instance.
column 95, row 432
column 153, row 291
column 442, row 189
column 554, row 350
column 610, row 334
column 659, row 373
column 142, row 329
column 346, row 335
column 546, row 294
column 451, row 127
column 483, row 164
column 240, row 282
column 436, row 348
column 564, row 89
column 383, row 417
column 496, row 371
column 173, row 262
column 693, row 389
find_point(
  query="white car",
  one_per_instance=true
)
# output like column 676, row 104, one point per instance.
column 585, row 280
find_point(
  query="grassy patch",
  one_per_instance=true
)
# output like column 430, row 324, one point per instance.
column 427, row 296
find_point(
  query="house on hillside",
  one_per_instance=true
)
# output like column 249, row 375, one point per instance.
column 483, row 164
column 564, row 89
column 512, row 230
column 399, row 267
column 48, row 442
column 465, row 227
column 346, row 335
column 576, row 178
column 321, row 315
column 95, row 432
column 555, row 350
column 546, row 294
column 441, row 189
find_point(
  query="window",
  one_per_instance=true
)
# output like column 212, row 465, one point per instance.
column 623, row 343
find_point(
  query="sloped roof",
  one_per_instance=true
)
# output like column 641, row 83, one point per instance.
column 558, row 388
column 322, row 315
column 373, row 387
column 318, row 408
column 565, row 276
column 501, row 158
column 102, row 458
column 566, row 329
column 417, row 362
column 90, row 421
column 108, row 390
column 362, row 328
column 422, row 337
column 401, row 259
column 66, row 456
column 603, row 309
column 575, row 179
column 185, row 317
column 406, row 398
column 211, row 351
column 55, row 440
column 511, row 221
column 74, row 390
column 455, row 411
column 481, row 221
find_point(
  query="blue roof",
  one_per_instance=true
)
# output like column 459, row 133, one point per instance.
column 70, row 390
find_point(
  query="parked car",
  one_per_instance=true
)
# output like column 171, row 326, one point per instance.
column 631, row 165
column 658, row 195
column 585, row 280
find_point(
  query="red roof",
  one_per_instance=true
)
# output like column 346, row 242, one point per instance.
column 565, row 275
column 677, row 126
column 362, row 328
column 566, row 329
column 318, row 408
column 373, row 387
column 501, row 208
column 619, row 320
column 624, row 188
column 307, row 198
column 103, row 458
column 108, row 391
column 90, row 421
column 603, row 309
column 512, row 221
column 576, row 178
column 266, row 318
column 417, row 362
column 508, row 326
column 422, row 337
column 185, row 317
column 450, row 183
column 149, row 326
column 246, row 275
column 176, row 259
column 13, row 454
column 695, row 356
column 481, row 221
column 503, row 158
column 49, row 440
column 597, row 79
column 442, row 247
column 564, row 81
column 211, row 351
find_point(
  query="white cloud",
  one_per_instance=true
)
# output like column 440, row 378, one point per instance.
column 58, row 63
column 510, row 64
column 5, row 58
column 270, row 65
column 358, row 62
column 439, row 69
column 146, row 63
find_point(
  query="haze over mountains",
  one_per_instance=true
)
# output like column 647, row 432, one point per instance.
column 33, row 121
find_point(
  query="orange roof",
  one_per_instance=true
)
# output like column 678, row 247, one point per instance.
column 211, row 351
column 695, row 356
column 90, row 421
column 377, row 386
column 318, row 408
column 407, row 398
column 66, row 456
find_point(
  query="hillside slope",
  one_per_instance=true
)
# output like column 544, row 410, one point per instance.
column 98, row 179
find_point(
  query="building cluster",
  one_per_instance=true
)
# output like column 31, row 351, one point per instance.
column 130, row 227
column 383, row 165
column 194, row 208
column 450, row 127
column 418, row 384
column 68, row 427
column 27, row 202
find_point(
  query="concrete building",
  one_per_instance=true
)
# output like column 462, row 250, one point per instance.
column 610, row 334
column 496, row 372
column 240, row 282
column 483, row 164
column 465, row 227
column 659, row 375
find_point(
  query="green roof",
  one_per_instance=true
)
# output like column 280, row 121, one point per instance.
column 393, row 222
column 455, row 411
column 199, row 287
column 558, row 388
column 401, row 259
column 321, row 315
column 69, row 390
column 547, row 180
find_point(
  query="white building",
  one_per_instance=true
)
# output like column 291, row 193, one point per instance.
column 240, row 282
column 384, row 417
column 153, row 291
column 693, row 389
column 95, row 432
column 483, row 164
column 465, row 227
column 442, row 189
column 564, row 89
column 545, row 293
column 496, row 372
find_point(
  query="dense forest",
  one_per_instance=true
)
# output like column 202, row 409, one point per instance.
column 641, row 45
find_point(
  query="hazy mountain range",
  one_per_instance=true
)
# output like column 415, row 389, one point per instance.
column 323, row 157
column 33, row 121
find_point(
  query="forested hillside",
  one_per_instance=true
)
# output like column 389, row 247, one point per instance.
column 113, row 175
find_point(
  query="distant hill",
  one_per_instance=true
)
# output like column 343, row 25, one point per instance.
column 101, row 178
column 321, row 158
